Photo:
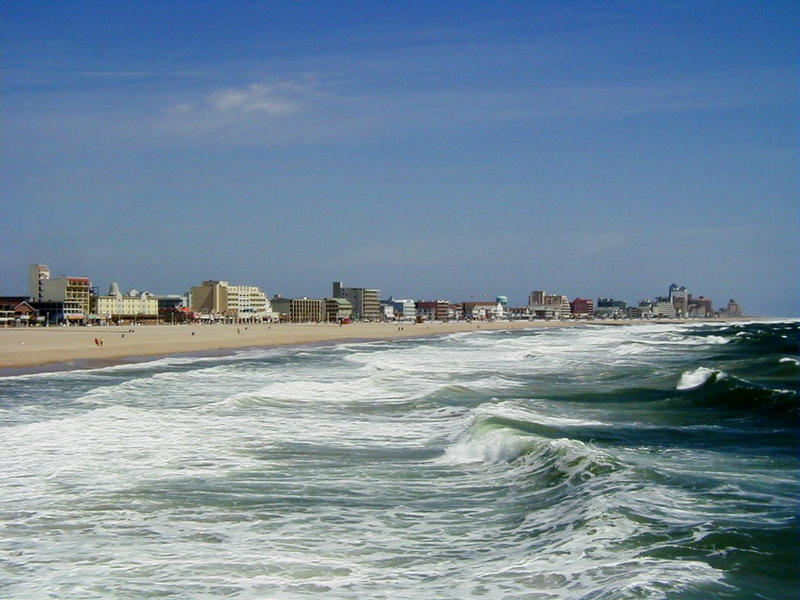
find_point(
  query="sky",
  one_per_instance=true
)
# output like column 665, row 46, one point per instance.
column 431, row 150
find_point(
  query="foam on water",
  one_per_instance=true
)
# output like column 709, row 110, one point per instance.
column 696, row 377
column 485, row 464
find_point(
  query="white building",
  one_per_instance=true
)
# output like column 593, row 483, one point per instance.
column 405, row 309
column 248, row 302
column 241, row 302
column 664, row 308
column 116, row 305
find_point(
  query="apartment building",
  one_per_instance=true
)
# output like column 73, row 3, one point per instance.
column 307, row 310
column 365, row 301
column 66, row 298
column 338, row 310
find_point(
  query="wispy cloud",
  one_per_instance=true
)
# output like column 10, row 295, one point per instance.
column 272, row 99
column 253, row 100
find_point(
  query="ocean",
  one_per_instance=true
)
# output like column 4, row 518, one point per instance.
column 654, row 461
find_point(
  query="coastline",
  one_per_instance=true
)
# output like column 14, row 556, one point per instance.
column 26, row 350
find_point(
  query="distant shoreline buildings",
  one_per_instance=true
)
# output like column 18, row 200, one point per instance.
column 72, row 300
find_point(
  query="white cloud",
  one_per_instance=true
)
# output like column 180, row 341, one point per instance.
column 272, row 99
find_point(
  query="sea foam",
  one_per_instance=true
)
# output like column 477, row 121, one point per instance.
column 693, row 379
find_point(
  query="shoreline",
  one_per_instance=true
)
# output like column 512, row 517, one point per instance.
column 34, row 350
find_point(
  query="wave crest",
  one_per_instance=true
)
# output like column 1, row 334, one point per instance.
column 557, row 459
column 697, row 377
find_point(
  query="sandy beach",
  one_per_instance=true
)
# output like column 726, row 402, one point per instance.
column 33, row 347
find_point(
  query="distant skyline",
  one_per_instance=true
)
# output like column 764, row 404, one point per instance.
column 428, row 150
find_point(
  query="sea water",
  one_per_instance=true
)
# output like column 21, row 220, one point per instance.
column 656, row 461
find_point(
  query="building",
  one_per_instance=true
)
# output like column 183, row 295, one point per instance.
column 433, row 310
column 644, row 310
column 16, row 311
column 365, row 302
column 37, row 274
column 67, row 299
column 171, row 302
column 559, row 304
column 679, row 297
column 307, row 310
column 240, row 302
column 338, row 310
column 521, row 313
column 700, row 307
column 118, row 306
column 663, row 307
column 405, row 309
column 481, row 311
column 582, row 308
column 733, row 309
column 548, row 306
column 387, row 310
column 248, row 303
column 608, row 308
column 210, row 297
column 280, row 307
column 456, row 311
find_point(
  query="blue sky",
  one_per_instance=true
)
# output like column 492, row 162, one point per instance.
column 432, row 150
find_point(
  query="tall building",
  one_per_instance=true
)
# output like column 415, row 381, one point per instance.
column 365, row 301
column 37, row 274
column 559, row 304
column 67, row 298
column 679, row 297
column 210, row 297
column 536, row 298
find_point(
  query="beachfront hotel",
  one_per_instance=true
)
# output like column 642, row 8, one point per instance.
column 242, row 302
column 61, row 299
column 365, row 301
column 116, row 306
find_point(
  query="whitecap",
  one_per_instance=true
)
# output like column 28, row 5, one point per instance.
column 787, row 359
column 495, row 446
column 693, row 379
